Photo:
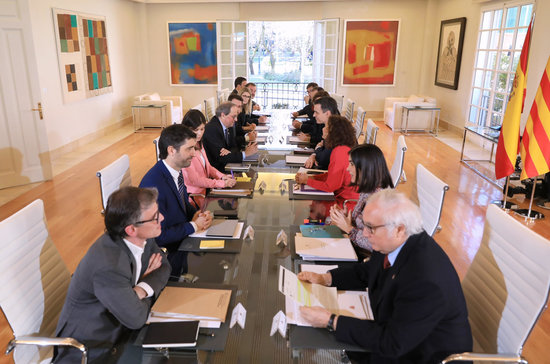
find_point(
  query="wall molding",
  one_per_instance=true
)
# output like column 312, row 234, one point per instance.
column 72, row 146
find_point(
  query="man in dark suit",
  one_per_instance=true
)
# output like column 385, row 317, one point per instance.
column 176, row 149
column 239, row 83
column 419, row 309
column 243, row 130
column 114, row 285
column 219, row 142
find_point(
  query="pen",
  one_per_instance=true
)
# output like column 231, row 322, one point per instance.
column 232, row 176
column 209, row 334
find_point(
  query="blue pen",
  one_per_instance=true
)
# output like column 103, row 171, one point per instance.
column 232, row 176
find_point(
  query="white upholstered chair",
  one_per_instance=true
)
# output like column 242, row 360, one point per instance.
column 418, row 120
column 151, row 117
column 222, row 95
column 156, row 143
column 359, row 122
column 396, row 171
column 34, row 282
column 199, row 107
column 114, row 176
column 431, row 193
column 506, row 289
column 371, row 133
column 347, row 109
column 209, row 108
column 339, row 100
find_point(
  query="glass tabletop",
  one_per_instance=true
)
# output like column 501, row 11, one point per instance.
column 485, row 131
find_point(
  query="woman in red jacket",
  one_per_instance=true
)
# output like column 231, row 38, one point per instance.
column 340, row 137
column 200, row 175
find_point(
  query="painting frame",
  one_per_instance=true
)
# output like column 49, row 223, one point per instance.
column 209, row 57
column 82, row 54
column 447, row 70
column 369, row 80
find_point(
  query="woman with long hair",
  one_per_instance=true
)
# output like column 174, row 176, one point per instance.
column 200, row 175
column 369, row 172
column 340, row 137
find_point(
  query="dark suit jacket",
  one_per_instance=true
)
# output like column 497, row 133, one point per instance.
column 175, row 226
column 101, row 301
column 420, row 314
column 214, row 140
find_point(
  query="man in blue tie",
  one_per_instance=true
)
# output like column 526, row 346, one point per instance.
column 176, row 149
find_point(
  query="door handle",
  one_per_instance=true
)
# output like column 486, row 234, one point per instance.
column 40, row 113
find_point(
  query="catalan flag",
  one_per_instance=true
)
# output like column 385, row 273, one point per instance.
column 508, row 141
column 535, row 144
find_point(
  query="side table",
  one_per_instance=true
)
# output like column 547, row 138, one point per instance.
column 137, row 110
column 435, row 112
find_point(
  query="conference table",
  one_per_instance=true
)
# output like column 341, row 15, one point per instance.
column 252, row 273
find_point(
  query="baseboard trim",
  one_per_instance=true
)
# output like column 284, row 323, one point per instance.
column 72, row 146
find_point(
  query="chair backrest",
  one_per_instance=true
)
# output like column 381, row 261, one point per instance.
column 359, row 121
column 507, row 285
column 397, row 167
column 339, row 100
column 431, row 193
column 347, row 109
column 156, row 143
column 33, row 280
column 372, row 132
column 199, row 107
column 114, row 176
column 221, row 95
column 209, row 108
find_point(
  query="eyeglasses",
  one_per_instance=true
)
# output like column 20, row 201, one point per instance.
column 155, row 218
column 247, row 96
column 372, row 229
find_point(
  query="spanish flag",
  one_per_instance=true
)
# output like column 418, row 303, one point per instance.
column 535, row 144
column 508, row 141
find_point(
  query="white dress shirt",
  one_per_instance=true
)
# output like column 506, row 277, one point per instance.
column 137, row 252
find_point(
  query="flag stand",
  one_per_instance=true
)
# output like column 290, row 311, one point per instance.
column 503, row 204
column 530, row 214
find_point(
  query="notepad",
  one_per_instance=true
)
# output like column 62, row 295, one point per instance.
column 321, row 231
column 296, row 159
column 171, row 334
column 212, row 244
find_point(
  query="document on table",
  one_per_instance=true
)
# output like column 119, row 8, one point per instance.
column 330, row 249
column 308, row 190
column 203, row 233
column 306, row 294
column 296, row 159
column 317, row 268
column 310, row 170
column 260, row 128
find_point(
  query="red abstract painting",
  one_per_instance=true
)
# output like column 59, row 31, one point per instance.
column 370, row 51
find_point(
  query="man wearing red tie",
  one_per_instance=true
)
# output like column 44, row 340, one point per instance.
column 419, row 309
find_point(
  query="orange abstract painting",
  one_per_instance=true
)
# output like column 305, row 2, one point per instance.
column 370, row 51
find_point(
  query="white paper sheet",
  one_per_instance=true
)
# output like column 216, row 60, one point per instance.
column 324, row 248
column 202, row 234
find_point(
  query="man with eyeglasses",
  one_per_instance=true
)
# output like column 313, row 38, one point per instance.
column 176, row 150
column 419, row 309
column 114, row 285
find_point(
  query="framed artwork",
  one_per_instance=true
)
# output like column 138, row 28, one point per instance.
column 192, row 53
column 370, row 52
column 449, row 53
column 83, row 55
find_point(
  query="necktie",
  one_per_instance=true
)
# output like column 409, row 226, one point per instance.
column 227, row 136
column 181, row 190
column 386, row 262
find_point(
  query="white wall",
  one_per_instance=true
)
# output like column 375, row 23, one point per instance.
column 68, row 122
column 410, row 47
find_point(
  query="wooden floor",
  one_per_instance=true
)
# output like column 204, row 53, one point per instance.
column 73, row 206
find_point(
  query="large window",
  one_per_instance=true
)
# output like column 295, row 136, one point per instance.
column 501, row 35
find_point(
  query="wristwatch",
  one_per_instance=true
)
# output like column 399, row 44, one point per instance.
column 330, row 324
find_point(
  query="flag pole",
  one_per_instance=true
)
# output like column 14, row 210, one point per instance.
column 506, row 193
column 530, row 214
column 531, row 201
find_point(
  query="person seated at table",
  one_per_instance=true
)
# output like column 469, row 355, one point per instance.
column 309, row 125
column 176, row 150
column 420, row 314
column 219, row 142
column 326, row 107
column 252, row 87
column 247, row 115
column 242, row 131
column 369, row 172
column 115, row 284
column 200, row 175
column 311, row 89
column 340, row 138
column 239, row 83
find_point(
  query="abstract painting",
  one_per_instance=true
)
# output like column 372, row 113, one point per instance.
column 449, row 55
column 82, row 54
column 97, row 55
column 193, row 58
column 370, row 52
